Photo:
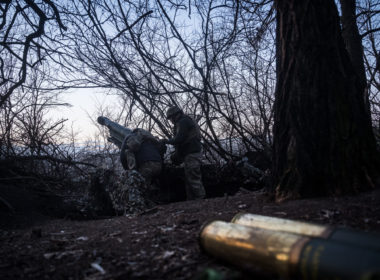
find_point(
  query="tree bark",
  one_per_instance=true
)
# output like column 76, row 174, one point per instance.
column 354, row 46
column 323, row 140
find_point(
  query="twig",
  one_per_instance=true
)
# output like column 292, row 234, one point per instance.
column 7, row 204
column 50, row 158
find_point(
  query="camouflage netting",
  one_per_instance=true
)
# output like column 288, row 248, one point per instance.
column 116, row 192
column 111, row 193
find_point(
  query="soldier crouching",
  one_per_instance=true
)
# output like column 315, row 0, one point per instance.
column 144, row 153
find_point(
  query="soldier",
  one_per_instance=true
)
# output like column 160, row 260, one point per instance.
column 188, row 149
column 141, row 155
column 144, row 153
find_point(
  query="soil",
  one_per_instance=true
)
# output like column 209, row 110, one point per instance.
column 160, row 243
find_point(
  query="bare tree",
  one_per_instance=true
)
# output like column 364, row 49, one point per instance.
column 158, row 53
column 354, row 46
column 323, row 140
column 23, row 25
column 368, row 21
column 31, row 141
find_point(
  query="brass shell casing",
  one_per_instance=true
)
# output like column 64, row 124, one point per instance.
column 285, row 225
column 253, row 248
column 344, row 235
column 293, row 256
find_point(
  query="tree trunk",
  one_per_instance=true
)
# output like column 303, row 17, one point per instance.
column 354, row 46
column 323, row 141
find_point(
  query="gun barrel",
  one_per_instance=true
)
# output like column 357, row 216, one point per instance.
column 290, row 255
column 117, row 131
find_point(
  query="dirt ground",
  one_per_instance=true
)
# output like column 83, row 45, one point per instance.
column 161, row 243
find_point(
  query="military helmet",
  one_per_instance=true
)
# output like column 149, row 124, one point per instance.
column 172, row 111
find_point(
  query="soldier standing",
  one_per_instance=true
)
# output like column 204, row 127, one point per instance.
column 188, row 149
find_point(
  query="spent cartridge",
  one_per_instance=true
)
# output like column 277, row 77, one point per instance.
column 290, row 255
column 354, row 237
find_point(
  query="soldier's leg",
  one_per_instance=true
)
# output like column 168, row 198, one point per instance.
column 146, row 172
column 149, row 170
column 193, row 177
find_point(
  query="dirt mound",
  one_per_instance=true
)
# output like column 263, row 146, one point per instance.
column 161, row 243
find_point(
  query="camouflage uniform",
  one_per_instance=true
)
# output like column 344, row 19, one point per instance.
column 150, row 170
column 188, row 148
column 148, row 158
column 193, row 177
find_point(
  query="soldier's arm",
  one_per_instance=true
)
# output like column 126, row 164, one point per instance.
column 183, row 129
